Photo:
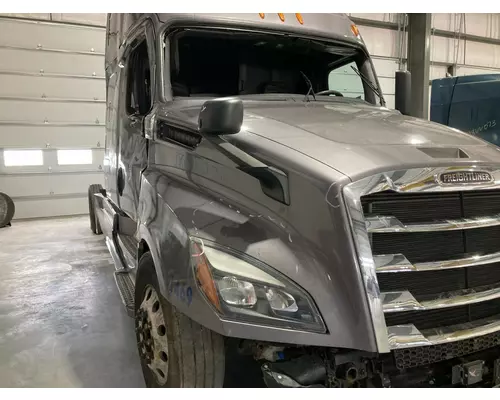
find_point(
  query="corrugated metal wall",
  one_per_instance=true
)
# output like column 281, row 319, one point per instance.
column 52, row 98
column 479, row 55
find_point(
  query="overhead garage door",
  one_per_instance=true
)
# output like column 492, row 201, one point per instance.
column 52, row 113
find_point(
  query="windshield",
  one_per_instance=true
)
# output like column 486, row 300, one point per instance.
column 219, row 63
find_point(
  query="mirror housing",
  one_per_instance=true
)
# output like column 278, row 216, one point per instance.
column 402, row 101
column 222, row 116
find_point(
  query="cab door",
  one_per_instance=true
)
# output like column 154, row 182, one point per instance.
column 137, row 85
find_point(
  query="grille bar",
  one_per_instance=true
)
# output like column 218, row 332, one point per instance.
column 391, row 224
column 399, row 263
column 404, row 336
column 405, row 301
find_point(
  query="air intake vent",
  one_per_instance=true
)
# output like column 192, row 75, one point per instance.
column 444, row 152
column 180, row 136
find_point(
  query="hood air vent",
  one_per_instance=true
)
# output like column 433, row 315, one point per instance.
column 444, row 152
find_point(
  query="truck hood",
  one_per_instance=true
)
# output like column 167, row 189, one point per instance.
column 357, row 138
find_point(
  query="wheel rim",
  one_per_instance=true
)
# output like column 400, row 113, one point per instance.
column 152, row 335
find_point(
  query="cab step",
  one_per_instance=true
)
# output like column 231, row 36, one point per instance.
column 127, row 290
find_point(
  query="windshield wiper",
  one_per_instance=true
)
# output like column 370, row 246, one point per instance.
column 311, row 90
column 370, row 85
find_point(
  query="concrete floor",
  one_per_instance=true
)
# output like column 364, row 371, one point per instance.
column 62, row 323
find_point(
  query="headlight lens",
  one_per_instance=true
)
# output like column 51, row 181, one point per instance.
column 245, row 289
column 236, row 292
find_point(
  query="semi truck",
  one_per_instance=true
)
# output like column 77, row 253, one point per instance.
column 266, row 212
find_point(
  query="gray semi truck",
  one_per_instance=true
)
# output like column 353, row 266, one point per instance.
column 269, row 216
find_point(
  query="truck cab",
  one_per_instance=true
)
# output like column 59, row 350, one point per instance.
column 263, row 207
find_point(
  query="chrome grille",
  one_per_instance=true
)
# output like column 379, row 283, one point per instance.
column 429, row 255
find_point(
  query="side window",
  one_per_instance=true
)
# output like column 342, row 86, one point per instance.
column 139, row 81
column 346, row 81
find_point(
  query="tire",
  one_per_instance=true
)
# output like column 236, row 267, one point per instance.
column 8, row 208
column 95, row 226
column 196, row 356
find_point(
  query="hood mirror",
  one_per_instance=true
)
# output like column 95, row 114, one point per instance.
column 222, row 116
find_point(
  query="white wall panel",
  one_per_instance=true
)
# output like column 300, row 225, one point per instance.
column 467, row 70
column 482, row 54
column 386, row 70
column 40, row 111
column 31, row 34
column 479, row 54
column 480, row 24
column 52, row 206
column 48, row 185
column 445, row 50
column 81, row 18
column 52, row 96
column 52, row 87
column 472, row 57
column 380, row 42
column 50, row 62
column 42, row 16
column 58, row 137
column 437, row 71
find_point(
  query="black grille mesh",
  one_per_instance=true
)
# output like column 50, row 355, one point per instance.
column 425, row 207
column 409, row 358
column 424, row 285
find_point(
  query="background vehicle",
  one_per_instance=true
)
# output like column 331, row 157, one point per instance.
column 469, row 103
column 260, row 201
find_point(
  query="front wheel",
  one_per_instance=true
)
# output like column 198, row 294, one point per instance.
column 174, row 350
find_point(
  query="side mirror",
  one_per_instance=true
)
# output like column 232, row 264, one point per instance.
column 222, row 116
column 402, row 99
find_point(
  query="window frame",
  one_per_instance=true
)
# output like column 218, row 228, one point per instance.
column 130, row 83
column 164, row 43
column 142, row 32
column 366, row 69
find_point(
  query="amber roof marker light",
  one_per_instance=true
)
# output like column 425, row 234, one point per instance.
column 355, row 31
column 262, row 15
column 282, row 17
column 299, row 18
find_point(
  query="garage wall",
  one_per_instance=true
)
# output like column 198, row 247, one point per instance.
column 380, row 33
column 471, row 56
column 52, row 99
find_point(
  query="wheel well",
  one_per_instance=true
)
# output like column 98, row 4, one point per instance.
column 143, row 248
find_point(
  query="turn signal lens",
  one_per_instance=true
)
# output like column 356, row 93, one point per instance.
column 282, row 17
column 299, row 18
column 203, row 275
